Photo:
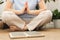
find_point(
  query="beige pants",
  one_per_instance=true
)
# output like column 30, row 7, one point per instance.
column 10, row 18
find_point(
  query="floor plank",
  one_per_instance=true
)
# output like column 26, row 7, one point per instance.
column 50, row 34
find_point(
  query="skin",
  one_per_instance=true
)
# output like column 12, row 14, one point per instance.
column 9, row 5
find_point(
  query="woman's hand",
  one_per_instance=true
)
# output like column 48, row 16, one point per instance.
column 33, row 12
column 24, row 8
column 27, row 8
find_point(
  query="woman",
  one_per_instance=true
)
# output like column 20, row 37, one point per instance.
column 24, row 14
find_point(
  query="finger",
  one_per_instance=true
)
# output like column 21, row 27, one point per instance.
column 27, row 4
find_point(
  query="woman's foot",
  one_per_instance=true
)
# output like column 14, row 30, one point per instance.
column 14, row 28
column 25, row 28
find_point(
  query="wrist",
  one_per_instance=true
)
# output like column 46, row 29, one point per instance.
column 28, row 11
column 31, row 12
column 21, row 11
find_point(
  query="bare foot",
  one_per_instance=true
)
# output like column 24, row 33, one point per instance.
column 25, row 28
column 14, row 28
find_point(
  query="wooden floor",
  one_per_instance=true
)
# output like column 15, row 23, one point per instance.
column 50, row 34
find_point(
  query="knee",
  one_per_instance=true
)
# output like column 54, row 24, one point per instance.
column 6, row 15
column 48, row 15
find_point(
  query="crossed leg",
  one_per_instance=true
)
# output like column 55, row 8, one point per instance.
column 43, row 18
column 13, row 21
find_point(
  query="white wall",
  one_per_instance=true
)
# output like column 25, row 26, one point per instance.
column 53, row 5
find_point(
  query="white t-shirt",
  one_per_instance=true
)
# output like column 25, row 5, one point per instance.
column 19, row 4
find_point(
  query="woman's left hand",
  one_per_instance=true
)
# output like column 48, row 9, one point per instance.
column 28, row 11
column 27, row 8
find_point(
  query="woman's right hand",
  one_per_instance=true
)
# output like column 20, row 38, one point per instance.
column 23, row 9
